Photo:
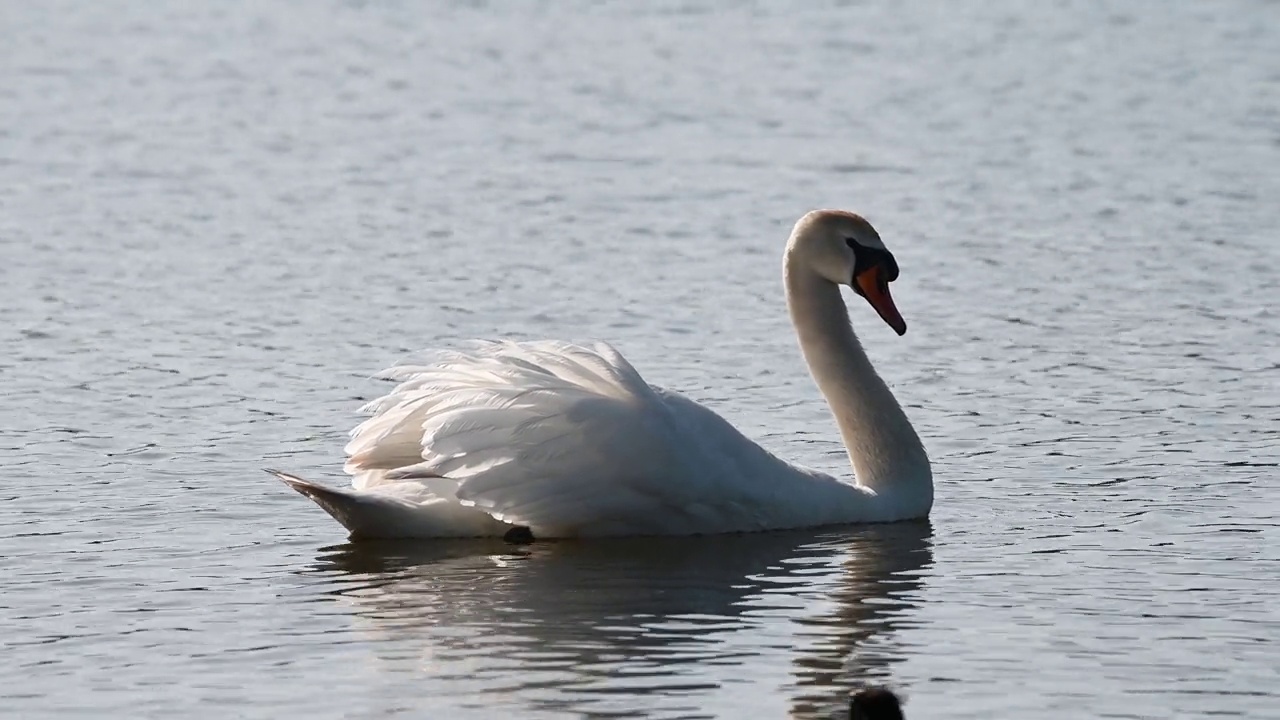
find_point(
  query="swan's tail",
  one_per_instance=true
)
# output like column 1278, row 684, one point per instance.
column 380, row 513
column 362, row 514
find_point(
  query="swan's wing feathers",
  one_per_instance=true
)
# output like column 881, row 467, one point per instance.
column 563, row 438
column 596, row 465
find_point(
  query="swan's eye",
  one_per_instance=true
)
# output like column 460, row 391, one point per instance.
column 866, row 258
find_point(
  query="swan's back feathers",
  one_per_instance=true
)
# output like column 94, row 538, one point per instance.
column 524, row 431
column 568, row 440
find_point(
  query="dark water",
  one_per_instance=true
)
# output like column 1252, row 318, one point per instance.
column 217, row 221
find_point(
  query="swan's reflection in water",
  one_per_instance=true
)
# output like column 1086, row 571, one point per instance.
column 652, row 627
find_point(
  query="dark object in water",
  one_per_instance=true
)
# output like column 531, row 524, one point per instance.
column 875, row 703
column 518, row 534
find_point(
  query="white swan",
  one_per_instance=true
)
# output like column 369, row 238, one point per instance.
column 558, row 440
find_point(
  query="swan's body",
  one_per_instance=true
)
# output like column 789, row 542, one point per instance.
column 567, row 440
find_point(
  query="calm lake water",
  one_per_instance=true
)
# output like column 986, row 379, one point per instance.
column 216, row 222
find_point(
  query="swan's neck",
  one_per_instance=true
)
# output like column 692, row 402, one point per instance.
column 886, row 453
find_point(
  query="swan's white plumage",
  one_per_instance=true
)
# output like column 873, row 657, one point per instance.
column 568, row 440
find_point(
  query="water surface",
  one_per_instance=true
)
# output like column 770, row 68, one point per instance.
column 216, row 222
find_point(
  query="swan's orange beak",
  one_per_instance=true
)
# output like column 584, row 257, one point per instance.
column 873, row 286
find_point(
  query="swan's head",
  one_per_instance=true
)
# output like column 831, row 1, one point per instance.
column 843, row 248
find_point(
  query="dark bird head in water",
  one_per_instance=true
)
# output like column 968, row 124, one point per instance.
column 875, row 703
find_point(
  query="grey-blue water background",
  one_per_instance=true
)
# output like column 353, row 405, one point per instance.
column 217, row 220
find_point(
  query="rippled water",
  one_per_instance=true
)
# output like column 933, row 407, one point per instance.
column 217, row 221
